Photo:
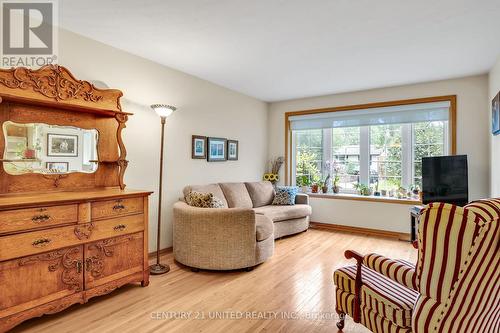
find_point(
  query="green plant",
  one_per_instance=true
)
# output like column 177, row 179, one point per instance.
column 307, row 164
column 415, row 188
column 363, row 189
column 303, row 181
column 336, row 180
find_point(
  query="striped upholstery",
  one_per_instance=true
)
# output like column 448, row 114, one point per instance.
column 378, row 324
column 345, row 301
column 344, row 278
column 401, row 271
column 456, row 279
column 378, row 294
column 458, row 269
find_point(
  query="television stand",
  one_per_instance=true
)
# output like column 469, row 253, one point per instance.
column 415, row 212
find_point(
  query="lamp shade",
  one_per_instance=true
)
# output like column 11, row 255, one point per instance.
column 163, row 110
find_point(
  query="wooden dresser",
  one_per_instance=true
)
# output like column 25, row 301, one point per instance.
column 66, row 235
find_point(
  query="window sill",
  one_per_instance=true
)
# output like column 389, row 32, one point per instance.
column 343, row 196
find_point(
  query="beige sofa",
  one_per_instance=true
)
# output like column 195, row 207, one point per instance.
column 240, row 236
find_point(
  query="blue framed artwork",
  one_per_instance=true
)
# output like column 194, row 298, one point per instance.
column 495, row 120
column 217, row 149
column 199, row 147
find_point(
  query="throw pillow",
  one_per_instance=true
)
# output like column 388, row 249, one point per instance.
column 285, row 195
column 203, row 200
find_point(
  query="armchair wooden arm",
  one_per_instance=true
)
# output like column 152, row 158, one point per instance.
column 357, row 284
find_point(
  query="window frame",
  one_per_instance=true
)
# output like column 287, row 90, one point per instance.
column 407, row 136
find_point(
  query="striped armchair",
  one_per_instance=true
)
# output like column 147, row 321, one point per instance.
column 455, row 286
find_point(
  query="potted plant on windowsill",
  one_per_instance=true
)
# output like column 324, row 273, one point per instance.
column 324, row 183
column 376, row 192
column 314, row 188
column 363, row 189
column 324, row 188
column 415, row 190
column 303, row 182
column 336, row 181
column 334, row 168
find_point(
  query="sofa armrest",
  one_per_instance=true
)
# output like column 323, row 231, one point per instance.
column 219, row 238
column 302, row 199
column 399, row 271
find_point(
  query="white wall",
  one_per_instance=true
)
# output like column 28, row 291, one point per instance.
column 494, row 79
column 203, row 108
column 472, row 139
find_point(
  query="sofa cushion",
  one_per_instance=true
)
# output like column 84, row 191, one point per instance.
column 282, row 213
column 285, row 195
column 261, row 193
column 210, row 188
column 204, row 200
column 264, row 227
column 236, row 195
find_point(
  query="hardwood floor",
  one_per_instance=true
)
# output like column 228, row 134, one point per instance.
column 296, row 282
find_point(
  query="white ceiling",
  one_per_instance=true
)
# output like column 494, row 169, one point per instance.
column 282, row 49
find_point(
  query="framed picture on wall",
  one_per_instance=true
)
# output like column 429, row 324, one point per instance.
column 232, row 150
column 495, row 115
column 57, row 167
column 62, row 145
column 199, row 147
column 217, row 149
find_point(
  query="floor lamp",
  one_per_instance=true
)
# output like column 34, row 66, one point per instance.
column 163, row 111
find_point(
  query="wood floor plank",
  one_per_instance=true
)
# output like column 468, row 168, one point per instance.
column 291, row 292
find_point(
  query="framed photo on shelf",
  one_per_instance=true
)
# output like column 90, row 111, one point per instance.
column 217, row 149
column 62, row 145
column 495, row 115
column 232, row 150
column 199, row 147
column 57, row 167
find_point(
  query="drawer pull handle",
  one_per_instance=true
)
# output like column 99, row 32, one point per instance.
column 88, row 264
column 118, row 206
column 120, row 227
column 40, row 218
column 41, row 242
column 79, row 266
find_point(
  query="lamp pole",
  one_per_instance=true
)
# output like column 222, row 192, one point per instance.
column 163, row 111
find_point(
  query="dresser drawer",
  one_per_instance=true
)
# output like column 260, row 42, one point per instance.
column 34, row 242
column 20, row 245
column 117, row 226
column 36, row 218
column 117, row 207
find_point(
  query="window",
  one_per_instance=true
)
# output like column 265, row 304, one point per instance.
column 382, row 147
column 386, row 156
column 309, row 156
column 429, row 139
column 345, row 153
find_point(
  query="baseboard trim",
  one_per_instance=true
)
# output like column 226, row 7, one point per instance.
column 162, row 252
column 358, row 230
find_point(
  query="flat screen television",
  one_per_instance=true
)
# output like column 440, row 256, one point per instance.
column 444, row 179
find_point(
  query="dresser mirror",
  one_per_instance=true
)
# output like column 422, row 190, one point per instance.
column 48, row 149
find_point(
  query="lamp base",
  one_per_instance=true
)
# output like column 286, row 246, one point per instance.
column 158, row 269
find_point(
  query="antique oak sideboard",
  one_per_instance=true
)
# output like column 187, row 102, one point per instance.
column 69, row 230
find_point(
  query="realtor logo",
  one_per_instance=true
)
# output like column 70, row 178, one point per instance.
column 29, row 33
